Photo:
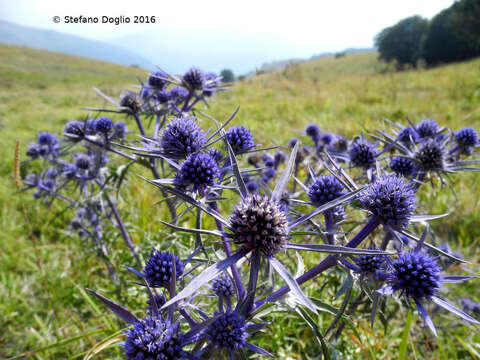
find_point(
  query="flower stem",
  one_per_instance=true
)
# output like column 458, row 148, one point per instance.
column 228, row 252
column 327, row 263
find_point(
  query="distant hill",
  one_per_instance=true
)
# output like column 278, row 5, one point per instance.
column 69, row 44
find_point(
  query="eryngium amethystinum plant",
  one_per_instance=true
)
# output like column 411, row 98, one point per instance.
column 354, row 204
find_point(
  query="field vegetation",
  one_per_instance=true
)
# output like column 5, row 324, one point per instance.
column 46, row 313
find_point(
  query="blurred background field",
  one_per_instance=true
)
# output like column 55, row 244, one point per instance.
column 44, row 268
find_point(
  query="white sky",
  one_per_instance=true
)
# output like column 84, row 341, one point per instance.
column 314, row 26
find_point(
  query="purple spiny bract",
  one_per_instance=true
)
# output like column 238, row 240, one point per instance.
column 403, row 166
column 325, row 189
column 103, row 125
column 370, row 263
column 426, row 128
column 390, row 199
column 416, row 275
column 222, row 286
column 194, row 79
column 156, row 80
column 240, row 139
column 466, row 137
column 158, row 270
column 430, row 155
column 182, row 137
column 153, row 338
column 259, row 224
column 229, row 331
column 212, row 81
column 198, row 170
column 363, row 153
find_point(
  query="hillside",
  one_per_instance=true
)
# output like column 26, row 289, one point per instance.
column 45, row 268
column 69, row 44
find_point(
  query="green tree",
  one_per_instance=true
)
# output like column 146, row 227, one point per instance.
column 402, row 41
column 227, row 75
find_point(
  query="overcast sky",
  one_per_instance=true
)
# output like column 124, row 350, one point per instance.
column 314, row 26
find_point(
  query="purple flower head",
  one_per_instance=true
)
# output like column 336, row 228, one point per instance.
column 325, row 189
column 178, row 94
column 182, row 137
column 279, row 157
column 466, row 138
column 240, row 139
column 33, row 150
column 370, row 264
column 407, row 136
column 252, row 186
column 270, row 173
column 222, row 286
column 154, row 338
column 120, row 130
column 67, row 169
column 156, row 80
column 74, row 127
column 198, row 170
column 326, row 138
column 390, row 199
column 130, row 102
column 253, row 159
column 427, row 128
column 363, row 153
column 159, row 301
column 292, row 142
column 339, row 144
column 103, row 125
column 83, row 162
column 215, row 154
column 430, row 155
column 158, row 270
column 259, row 224
column 313, row 131
column 194, row 79
column 416, row 275
column 229, row 331
column 46, row 138
column 90, row 127
column 51, row 173
column 270, row 163
column 162, row 96
column 403, row 166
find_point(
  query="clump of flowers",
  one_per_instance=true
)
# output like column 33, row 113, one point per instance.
column 351, row 200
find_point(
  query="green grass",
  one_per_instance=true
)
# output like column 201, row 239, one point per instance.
column 44, row 269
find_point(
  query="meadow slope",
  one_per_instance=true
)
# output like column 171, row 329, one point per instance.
column 44, row 268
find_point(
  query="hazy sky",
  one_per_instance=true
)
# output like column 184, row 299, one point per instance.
column 314, row 26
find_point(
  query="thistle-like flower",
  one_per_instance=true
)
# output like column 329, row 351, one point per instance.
column 240, row 139
column 199, row 170
column 259, row 224
column 182, row 137
column 363, row 153
column 430, row 155
column 74, row 127
column 324, row 189
column 154, row 338
column 466, row 138
column 370, row 264
column 103, row 125
column 228, row 332
column 426, row 128
column 403, row 166
column 159, row 268
column 222, row 286
column 390, row 200
column 407, row 136
column 194, row 79
column 156, row 80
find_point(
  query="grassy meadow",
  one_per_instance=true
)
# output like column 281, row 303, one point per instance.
column 44, row 312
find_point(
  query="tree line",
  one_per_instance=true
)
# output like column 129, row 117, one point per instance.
column 452, row 35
